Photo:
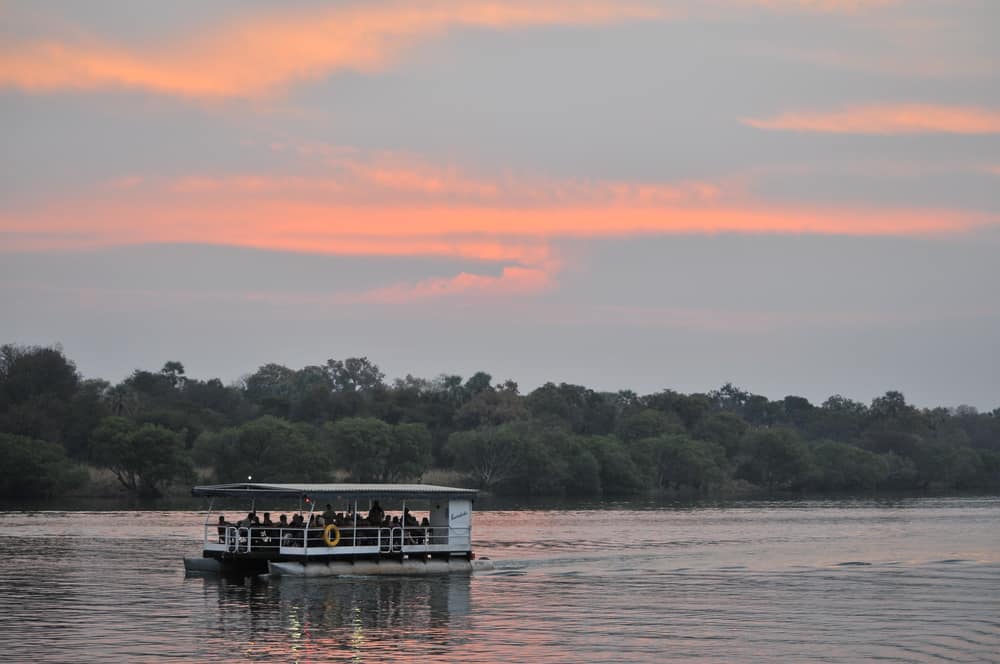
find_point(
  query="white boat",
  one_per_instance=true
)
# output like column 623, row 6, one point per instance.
column 440, row 542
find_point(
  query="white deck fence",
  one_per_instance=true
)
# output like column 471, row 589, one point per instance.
column 353, row 541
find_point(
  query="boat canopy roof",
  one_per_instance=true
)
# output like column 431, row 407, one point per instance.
column 333, row 491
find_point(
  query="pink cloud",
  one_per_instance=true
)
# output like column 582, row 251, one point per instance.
column 887, row 119
column 513, row 280
column 513, row 223
column 261, row 52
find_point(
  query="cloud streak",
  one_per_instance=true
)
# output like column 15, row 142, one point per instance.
column 394, row 205
column 888, row 119
column 512, row 280
column 262, row 53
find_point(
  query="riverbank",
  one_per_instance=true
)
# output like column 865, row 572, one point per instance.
column 183, row 501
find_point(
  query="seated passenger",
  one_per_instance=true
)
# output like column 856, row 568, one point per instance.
column 267, row 535
column 328, row 514
column 286, row 535
column 409, row 523
column 422, row 532
column 376, row 513
column 298, row 522
column 223, row 525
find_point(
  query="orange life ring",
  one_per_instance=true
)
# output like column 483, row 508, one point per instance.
column 335, row 540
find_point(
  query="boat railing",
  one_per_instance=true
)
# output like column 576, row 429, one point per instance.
column 398, row 539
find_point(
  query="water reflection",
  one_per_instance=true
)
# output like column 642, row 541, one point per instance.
column 738, row 584
column 357, row 619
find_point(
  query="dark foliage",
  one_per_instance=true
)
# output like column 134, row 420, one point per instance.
column 341, row 418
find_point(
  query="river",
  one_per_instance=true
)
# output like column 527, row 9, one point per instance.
column 829, row 581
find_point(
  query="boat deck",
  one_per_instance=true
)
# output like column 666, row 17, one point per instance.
column 274, row 543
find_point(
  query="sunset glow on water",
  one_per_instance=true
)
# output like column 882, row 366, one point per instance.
column 912, row 581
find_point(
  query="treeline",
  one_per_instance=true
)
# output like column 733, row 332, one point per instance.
column 342, row 421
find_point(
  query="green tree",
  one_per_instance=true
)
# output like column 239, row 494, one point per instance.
column 730, row 398
column 543, row 469
column 583, row 472
column 121, row 400
column 360, row 445
column 842, row 467
column 268, row 449
column 968, row 467
column 174, row 372
column 271, row 388
column 478, row 382
column 27, row 372
column 410, row 454
column 584, row 410
column 941, row 465
column 212, row 395
column 798, row 411
column 690, row 408
column 619, row 473
column 35, row 468
column 355, row 374
column 901, row 471
column 87, row 408
column 839, row 419
column 491, row 455
column 891, row 413
column 551, row 400
column 725, row 429
column 775, row 458
column 311, row 395
column 648, row 423
column 36, row 387
column 156, row 389
column 145, row 458
column 373, row 451
column 491, row 407
column 989, row 471
column 678, row 460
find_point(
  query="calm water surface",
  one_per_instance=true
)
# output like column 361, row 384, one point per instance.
column 913, row 581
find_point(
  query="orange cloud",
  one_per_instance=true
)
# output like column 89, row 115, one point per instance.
column 466, row 231
column 264, row 52
column 514, row 223
column 887, row 119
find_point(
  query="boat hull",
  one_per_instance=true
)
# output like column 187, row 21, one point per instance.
column 230, row 567
column 202, row 565
column 383, row 567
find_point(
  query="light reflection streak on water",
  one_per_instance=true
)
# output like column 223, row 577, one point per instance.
column 918, row 581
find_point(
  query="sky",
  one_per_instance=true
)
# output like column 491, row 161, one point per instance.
column 795, row 196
